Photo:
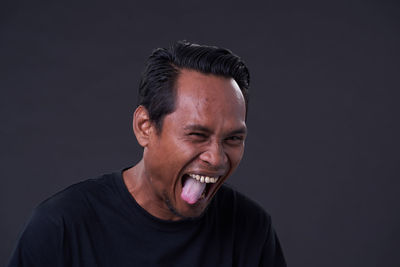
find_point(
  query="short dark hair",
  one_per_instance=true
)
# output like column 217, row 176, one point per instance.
column 157, row 85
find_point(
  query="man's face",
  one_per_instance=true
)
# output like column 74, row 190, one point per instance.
column 204, row 136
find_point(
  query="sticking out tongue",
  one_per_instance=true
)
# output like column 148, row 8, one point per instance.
column 192, row 190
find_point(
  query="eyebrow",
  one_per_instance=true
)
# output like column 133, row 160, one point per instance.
column 198, row 127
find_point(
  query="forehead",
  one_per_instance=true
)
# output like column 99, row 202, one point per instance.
column 209, row 97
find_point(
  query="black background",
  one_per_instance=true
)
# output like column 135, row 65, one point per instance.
column 322, row 154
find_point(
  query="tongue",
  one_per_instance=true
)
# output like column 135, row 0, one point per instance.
column 192, row 190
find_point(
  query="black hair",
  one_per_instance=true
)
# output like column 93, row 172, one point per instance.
column 157, row 84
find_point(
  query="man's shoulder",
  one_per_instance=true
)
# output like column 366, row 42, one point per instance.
column 76, row 200
column 59, row 219
column 229, row 194
column 244, row 209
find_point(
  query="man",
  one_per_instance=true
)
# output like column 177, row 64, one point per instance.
column 171, row 208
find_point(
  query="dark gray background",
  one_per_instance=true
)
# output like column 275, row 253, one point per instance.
column 322, row 155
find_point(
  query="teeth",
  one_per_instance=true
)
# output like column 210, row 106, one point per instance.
column 204, row 179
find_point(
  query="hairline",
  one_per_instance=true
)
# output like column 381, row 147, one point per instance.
column 174, row 90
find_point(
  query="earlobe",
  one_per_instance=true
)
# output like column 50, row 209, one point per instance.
column 142, row 126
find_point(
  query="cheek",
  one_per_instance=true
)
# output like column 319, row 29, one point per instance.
column 176, row 154
column 158, row 159
column 236, row 155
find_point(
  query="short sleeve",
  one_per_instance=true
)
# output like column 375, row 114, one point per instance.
column 272, row 255
column 40, row 242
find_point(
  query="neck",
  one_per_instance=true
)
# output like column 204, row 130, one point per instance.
column 140, row 187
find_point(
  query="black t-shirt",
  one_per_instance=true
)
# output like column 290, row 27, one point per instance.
column 98, row 223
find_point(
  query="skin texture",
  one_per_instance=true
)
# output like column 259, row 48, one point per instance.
column 204, row 135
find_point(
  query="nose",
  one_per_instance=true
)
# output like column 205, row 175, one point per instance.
column 215, row 156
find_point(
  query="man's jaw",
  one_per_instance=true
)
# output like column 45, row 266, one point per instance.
column 174, row 211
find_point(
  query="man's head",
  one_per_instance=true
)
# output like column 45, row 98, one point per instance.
column 192, row 125
column 157, row 87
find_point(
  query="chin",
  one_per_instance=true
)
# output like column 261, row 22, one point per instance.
column 188, row 211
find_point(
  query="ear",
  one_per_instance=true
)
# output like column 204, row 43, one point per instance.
column 142, row 126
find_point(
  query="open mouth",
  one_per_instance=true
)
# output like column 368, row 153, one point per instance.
column 196, row 187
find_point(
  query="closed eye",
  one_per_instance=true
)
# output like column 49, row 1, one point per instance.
column 235, row 138
column 197, row 136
